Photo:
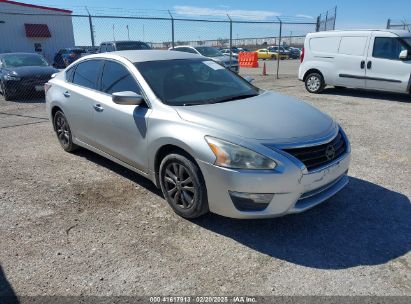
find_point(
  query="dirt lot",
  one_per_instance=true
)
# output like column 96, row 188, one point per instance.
column 77, row 224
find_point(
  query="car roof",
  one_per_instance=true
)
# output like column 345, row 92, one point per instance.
column 146, row 55
column 401, row 33
column 123, row 41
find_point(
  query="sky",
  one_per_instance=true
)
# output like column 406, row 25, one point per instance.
column 350, row 14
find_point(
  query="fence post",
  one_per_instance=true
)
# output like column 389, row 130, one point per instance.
column 326, row 20
column 172, row 29
column 231, row 39
column 90, row 22
column 335, row 17
column 388, row 24
column 279, row 45
column 317, row 26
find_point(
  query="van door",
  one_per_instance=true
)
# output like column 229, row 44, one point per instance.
column 350, row 61
column 384, row 69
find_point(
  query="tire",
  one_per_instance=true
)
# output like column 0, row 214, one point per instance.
column 63, row 132
column 6, row 94
column 314, row 83
column 183, row 186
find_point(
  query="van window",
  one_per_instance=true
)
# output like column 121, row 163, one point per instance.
column 353, row 46
column 387, row 48
column 325, row 44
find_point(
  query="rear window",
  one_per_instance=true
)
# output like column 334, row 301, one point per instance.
column 353, row 46
column 132, row 45
column 325, row 44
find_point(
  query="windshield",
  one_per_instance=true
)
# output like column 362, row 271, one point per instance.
column 208, row 51
column 187, row 82
column 22, row 60
column 407, row 40
column 132, row 45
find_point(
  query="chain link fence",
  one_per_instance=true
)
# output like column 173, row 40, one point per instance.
column 87, row 29
column 399, row 25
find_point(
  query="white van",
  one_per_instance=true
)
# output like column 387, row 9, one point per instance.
column 373, row 59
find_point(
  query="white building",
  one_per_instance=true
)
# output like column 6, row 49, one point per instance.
column 33, row 28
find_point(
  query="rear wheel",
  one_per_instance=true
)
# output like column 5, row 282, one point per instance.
column 62, row 128
column 183, row 186
column 314, row 83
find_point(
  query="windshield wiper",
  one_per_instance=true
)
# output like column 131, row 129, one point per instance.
column 232, row 98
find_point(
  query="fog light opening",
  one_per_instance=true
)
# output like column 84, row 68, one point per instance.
column 251, row 201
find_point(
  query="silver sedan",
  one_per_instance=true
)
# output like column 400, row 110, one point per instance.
column 207, row 137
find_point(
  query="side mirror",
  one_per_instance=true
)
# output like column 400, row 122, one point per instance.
column 248, row 79
column 127, row 98
column 404, row 55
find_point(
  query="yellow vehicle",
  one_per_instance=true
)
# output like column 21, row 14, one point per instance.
column 266, row 54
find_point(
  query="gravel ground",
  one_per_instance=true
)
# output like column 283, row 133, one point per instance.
column 77, row 224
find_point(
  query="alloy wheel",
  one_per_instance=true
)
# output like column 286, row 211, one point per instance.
column 62, row 130
column 179, row 185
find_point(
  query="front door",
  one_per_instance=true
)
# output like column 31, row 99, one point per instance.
column 120, row 130
column 385, row 70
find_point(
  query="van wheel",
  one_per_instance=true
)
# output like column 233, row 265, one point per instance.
column 314, row 83
column 183, row 186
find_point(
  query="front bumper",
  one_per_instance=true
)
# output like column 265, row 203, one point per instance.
column 294, row 191
column 23, row 87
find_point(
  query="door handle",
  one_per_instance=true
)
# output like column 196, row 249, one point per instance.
column 66, row 94
column 369, row 65
column 98, row 107
column 362, row 65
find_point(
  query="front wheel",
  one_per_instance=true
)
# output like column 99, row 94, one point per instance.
column 314, row 83
column 183, row 186
column 6, row 94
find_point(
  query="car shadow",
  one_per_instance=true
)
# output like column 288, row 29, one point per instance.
column 7, row 294
column 29, row 99
column 365, row 224
column 118, row 169
column 368, row 94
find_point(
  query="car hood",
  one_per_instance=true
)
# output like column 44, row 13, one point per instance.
column 33, row 70
column 268, row 116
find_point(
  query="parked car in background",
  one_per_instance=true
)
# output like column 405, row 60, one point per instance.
column 23, row 73
column 266, row 54
column 284, row 54
column 65, row 57
column 205, row 136
column 226, row 52
column 112, row 46
column 294, row 53
column 212, row 53
column 374, row 59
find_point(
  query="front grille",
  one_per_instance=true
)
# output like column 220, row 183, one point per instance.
column 315, row 157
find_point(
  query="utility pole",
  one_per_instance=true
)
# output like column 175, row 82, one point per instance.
column 128, row 32
column 279, row 45
column 231, row 39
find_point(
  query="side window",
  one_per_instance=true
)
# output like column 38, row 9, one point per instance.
column 70, row 73
column 116, row 78
column 86, row 74
column 190, row 50
column 387, row 48
column 103, row 48
column 110, row 47
column 353, row 46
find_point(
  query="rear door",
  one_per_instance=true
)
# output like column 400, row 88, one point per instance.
column 80, row 94
column 385, row 71
column 350, row 61
column 120, row 130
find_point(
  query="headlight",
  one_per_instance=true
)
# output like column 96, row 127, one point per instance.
column 236, row 157
column 11, row 77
